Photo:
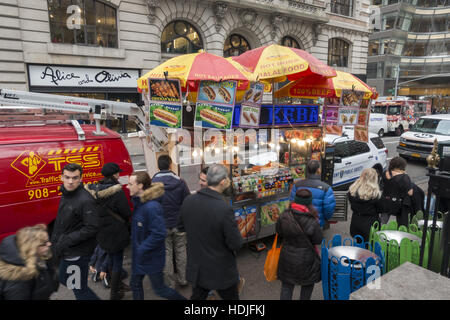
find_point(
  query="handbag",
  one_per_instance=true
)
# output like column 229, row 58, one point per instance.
column 271, row 264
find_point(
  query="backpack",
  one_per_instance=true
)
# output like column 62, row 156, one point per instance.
column 115, row 236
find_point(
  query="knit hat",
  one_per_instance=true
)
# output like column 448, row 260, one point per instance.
column 110, row 168
column 303, row 196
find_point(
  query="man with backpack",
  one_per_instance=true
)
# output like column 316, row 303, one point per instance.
column 322, row 193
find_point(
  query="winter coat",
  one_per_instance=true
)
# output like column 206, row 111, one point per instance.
column 148, row 232
column 364, row 214
column 213, row 238
column 76, row 224
column 22, row 279
column 396, row 200
column 113, row 235
column 298, row 263
column 175, row 191
column 322, row 193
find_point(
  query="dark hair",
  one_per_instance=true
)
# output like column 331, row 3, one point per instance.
column 72, row 167
column 305, row 193
column 205, row 170
column 312, row 166
column 144, row 178
column 397, row 163
column 164, row 162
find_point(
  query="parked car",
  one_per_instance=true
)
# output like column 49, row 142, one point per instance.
column 352, row 157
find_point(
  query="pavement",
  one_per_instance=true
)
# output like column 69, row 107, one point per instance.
column 250, row 264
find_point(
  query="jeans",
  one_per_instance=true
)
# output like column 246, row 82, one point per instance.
column 115, row 261
column 74, row 275
column 231, row 293
column 287, row 290
column 158, row 286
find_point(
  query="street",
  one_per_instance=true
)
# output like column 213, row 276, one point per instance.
column 251, row 264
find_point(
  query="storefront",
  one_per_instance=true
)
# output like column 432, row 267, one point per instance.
column 88, row 82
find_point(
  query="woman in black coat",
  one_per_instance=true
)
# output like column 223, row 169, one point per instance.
column 25, row 273
column 299, row 262
column 364, row 196
column 397, row 192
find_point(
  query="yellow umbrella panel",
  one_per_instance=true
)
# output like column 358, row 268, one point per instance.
column 315, row 86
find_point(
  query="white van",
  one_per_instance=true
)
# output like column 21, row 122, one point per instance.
column 418, row 142
column 378, row 124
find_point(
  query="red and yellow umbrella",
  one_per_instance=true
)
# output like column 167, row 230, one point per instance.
column 275, row 63
column 194, row 67
column 316, row 86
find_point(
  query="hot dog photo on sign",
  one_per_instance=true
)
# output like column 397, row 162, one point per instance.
column 165, row 115
column 213, row 116
column 249, row 116
column 217, row 92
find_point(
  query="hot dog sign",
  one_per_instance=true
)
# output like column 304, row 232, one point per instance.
column 215, row 103
column 165, row 103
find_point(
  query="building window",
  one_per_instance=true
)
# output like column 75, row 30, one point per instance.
column 343, row 7
column 235, row 45
column 83, row 22
column 180, row 37
column 374, row 48
column 338, row 52
column 290, row 42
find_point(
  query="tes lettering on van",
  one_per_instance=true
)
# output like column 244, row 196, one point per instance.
column 42, row 168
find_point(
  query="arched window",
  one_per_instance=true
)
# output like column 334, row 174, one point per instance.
column 180, row 37
column 84, row 22
column 338, row 52
column 290, row 42
column 235, row 45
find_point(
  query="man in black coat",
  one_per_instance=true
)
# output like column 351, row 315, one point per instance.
column 114, row 215
column 74, row 233
column 212, row 239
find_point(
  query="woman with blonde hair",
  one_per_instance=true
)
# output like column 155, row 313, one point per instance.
column 25, row 271
column 364, row 196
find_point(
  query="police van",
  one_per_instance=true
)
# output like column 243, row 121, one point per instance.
column 352, row 157
column 418, row 142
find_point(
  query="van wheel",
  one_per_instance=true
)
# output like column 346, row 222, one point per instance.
column 381, row 133
column 399, row 131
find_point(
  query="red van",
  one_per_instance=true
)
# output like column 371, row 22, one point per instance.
column 31, row 161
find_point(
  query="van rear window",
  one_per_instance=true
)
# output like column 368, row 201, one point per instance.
column 377, row 142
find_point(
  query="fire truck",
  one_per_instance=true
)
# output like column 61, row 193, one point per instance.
column 401, row 114
column 40, row 133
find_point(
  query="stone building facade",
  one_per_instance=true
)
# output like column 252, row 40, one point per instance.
column 64, row 45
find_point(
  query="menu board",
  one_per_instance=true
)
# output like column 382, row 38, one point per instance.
column 165, row 103
column 348, row 116
column 251, row 106
column 350, row 98
column 215, row 103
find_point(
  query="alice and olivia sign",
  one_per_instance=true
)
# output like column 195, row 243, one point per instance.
column 62, row 76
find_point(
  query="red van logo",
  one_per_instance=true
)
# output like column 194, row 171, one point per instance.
column 28, row 163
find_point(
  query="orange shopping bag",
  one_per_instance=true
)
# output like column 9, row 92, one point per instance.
column 271, row 264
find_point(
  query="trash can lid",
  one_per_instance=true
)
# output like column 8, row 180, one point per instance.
column 396, row 235
column 439, row 224
column 353, row 253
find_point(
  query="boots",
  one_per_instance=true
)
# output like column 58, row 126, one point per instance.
column 116, row 293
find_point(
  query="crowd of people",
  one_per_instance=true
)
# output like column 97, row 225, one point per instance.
column 179, row 238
